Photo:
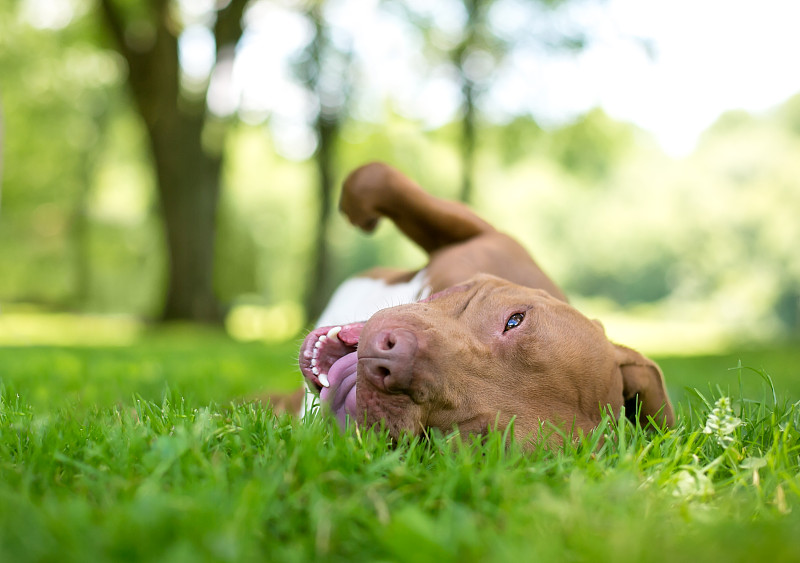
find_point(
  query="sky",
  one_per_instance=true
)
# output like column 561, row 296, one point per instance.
column 710, row 56
column 705, row 57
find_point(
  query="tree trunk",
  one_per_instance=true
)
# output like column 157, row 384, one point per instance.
column 468, row 144
column 187, row 174
column 81, row 239
column 326, row 127
column 319, row 285
column 475, row 15
column 188, row 188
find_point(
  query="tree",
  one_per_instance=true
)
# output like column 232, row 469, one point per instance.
column 50, row 86
column 473, row 53
column 591, row 146
column 476, row 53
column 478, row 46
column 325, row 70
column 187, row 166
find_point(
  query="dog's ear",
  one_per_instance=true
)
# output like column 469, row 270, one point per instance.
column 643, row 388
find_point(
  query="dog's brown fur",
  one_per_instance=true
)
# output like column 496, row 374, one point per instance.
column 452, row 360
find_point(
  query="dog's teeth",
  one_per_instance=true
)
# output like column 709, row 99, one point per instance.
column 315, row 370
column 318, row 343
column 334, row 332
column 313, row 362
column 323, row 378
column 316, row 353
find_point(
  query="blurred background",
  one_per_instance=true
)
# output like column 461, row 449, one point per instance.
column 181, row 160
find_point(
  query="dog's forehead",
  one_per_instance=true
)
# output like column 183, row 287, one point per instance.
column 487, row 291
column 462, row 288
column 481, row 301
column 491, row 289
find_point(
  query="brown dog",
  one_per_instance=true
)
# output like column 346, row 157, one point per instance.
column 484, row 335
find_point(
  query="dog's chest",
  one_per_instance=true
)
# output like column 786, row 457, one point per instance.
column 357, row 299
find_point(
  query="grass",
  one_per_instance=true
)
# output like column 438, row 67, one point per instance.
column 147, row 453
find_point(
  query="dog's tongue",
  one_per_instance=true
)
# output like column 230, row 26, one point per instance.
column 341, row 395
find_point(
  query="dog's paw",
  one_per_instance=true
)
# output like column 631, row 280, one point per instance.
column 364, row 191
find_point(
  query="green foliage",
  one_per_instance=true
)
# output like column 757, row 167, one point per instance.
column 176, row 475
column 602, row 209
column 592, row 146
column 65, row 122
column 788, row 115
column 516, row 141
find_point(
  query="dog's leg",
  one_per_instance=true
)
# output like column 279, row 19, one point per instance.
column 377, row 190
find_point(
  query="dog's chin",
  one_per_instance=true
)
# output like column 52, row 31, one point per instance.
column 396, row 413
column 323, row 348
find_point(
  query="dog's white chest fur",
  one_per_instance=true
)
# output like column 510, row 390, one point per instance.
column 357, row 299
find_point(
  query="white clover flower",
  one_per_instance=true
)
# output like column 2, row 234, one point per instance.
column 721, row 423
column 691, row 483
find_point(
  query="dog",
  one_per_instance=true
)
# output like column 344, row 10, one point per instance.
column 483, row 336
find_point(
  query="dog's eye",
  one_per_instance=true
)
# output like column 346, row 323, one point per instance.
column 514, row 321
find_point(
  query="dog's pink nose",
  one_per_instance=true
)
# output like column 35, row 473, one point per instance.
column 388, row 357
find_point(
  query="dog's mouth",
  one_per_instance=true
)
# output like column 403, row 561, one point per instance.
column 330, row 351
column 329, row 362
column 326, row 350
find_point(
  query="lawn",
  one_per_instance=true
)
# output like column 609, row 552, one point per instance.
column 153, row 452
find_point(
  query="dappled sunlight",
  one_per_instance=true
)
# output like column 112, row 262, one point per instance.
column 655, row 334
column 122, row 196
column 22, row 325
column 29, row 326
column 277, row 323
column 50, row 14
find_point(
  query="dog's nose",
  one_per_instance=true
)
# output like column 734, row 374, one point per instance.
column 388, row 358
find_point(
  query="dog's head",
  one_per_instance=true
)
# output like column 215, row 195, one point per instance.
column 479, row 355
